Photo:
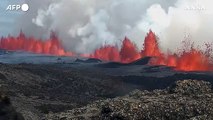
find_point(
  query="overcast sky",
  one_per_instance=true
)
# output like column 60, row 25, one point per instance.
column 8, row 18
column 85, row 25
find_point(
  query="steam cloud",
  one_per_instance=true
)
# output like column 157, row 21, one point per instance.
column 85, row 25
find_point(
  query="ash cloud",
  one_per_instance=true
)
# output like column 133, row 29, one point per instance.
column 85, row 25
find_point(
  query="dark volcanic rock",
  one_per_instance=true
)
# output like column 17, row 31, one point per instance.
column 79, row 60
column 142, row 61
column 2, row 52
column 90, row 60
column 111, row 65
column 7, row 112
column 36, row 90
column 93, row 60
column 190, row 87
column 185, row 100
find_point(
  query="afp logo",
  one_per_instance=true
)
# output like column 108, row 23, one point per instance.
column 23, row 7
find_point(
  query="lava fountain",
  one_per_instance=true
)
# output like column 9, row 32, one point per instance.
column 191, row 60
column 52, row 46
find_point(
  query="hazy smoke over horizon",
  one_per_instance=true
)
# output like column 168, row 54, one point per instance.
column 85, row 25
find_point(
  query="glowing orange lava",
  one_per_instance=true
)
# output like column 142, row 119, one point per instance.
column 108, row 53
column 51, row 46
column 128, row 52
column 191, row 60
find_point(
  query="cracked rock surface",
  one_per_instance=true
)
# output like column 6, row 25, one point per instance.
column 184, row 100
column 86, row 91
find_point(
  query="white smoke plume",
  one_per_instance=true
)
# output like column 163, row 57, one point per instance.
column 85, row 25
column 186, row 17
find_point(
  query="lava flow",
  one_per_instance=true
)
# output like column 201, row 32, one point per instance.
column 192, row 60
column 128, row 52
column 187, row 60
column 22, row 43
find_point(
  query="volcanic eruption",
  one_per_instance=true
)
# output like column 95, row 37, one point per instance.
column 51, row 46
column 191, row 60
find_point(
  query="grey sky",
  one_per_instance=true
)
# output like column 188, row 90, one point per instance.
column 11, row 22
column 8, row 18
column 85, row 25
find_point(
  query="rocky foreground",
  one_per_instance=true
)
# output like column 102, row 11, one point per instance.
column 184, row 100
column 85, row 91
column 7, row 111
